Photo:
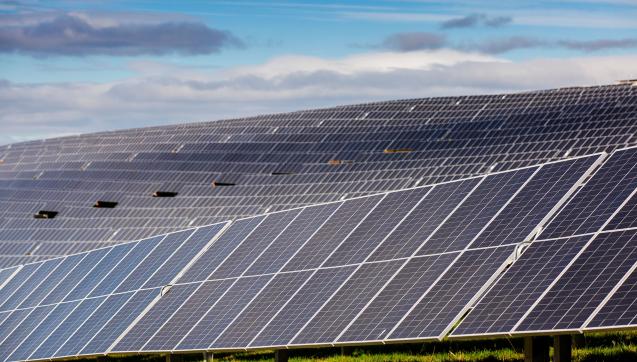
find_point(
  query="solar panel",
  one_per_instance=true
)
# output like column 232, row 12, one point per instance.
column 365, row 264
column 578, row 292
column 436, row 311
column 520, row 286
column 607, row 189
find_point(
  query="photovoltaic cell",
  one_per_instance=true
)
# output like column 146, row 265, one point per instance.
column 581, row 289
column 31, row 283
column 310, row 297
column 120, row 321
column 188, row 314
column 34, row 317
column 436, row 312
column 5, row 274
column 345, row 304
column 125, row 266
column 599, row 198
column 250, row 249
column 292, row 239
column 424, row 220
column 184, row 255
column 520, row 286
column 621, row 309
column 376, row 227
column 395, row 299
column 222, row 313
column 12, row 321
column 51, row 281
column 153, row 261
column 67, row 328
column 75, row 276
column 92, row 325
column 99, row 272
column 18, row 279
column 243, row 329
column 39, row 334
column 155, row 318
column 475, row 212
column 332, row 233
column 533, row 203
column 220, row 249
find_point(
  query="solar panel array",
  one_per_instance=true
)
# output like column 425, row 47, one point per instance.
column 325, row 255
column 309, row 276
column 232, row 169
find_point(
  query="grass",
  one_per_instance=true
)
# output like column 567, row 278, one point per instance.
column 598, row 347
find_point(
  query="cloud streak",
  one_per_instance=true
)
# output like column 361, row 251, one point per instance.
column 475, row 20
column 169, row 94
column 75, row 35
column 406, row 42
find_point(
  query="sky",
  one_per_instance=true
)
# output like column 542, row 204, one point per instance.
column 70, row 66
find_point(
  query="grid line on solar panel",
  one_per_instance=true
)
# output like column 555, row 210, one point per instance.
column 436, row 311
column 322, row 206
column 617, row 309
column 600, row 197
column 538, row 200
column 570, row 301
column 503, row 305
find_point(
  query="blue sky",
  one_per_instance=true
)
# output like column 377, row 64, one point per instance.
column 78, row 66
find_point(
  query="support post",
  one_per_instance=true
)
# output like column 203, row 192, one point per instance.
column 562, row 348
column 281, row 355
column 578, row 340
column 168, row 357
column 536, row 349
column 347, row 350
column 208, row 357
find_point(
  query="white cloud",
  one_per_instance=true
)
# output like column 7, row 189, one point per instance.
column 165, row 93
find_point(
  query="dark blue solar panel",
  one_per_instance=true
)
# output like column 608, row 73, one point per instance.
column 99, row 272
column 424, row 220
column 621, row 308
column 445, row 302
column 92, row 325
column 299, row 309
column 51, row 281
column 154, row 260
column 346, row 303
column 75, row 276
column 246, row 326
column 31, row 283
column 322, row 244
column 155, row 318
column 581, row 289
column 41, row 332
column 222, row 313
column 251, row 248
column 376, row 227
column 65, row 329
column 18, row 279
column 5, row 274
column 11, row 321
column 292, row 239
column 533, row 203
column 396, row 299
column 188, row 314
column 184, row 255
column 21, row 332
column 101, row 342
column 521, row 285
column 475, row 212
column 593, row 204
column 220, row 249
column 125, row 266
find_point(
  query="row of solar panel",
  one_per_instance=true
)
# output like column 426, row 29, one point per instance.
column 36, row 298
column 468, row 226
